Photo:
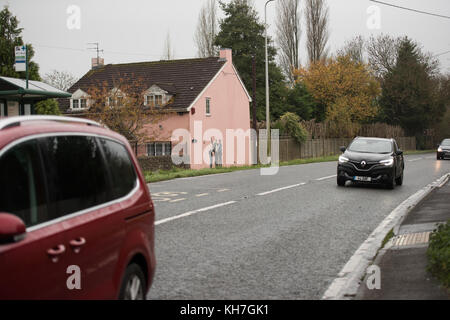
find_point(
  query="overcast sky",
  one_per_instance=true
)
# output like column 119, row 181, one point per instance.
column 135, row 30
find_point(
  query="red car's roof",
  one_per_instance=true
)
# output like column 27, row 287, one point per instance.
column 41, row 126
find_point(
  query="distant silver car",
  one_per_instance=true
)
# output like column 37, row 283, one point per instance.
column 443, row 150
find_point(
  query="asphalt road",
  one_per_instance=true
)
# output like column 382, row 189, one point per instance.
column 245, row 236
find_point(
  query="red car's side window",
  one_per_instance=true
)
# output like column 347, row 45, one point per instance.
column 22, row 190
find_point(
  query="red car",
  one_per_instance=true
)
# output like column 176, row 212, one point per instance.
column 76, row 216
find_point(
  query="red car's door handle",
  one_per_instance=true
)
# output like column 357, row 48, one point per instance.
column 77, row 243
column 55, row 252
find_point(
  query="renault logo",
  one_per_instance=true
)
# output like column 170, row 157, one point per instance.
column 363, row 163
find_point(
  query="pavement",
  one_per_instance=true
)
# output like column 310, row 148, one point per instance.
column 244, row 236
column 403, row 261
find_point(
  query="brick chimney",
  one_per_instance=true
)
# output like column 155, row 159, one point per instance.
column 226, row 54
column 97, row 63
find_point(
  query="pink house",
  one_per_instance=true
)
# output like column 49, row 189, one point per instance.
column 207, row 119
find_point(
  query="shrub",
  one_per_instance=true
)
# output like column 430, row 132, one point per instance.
column 439, row 254
column 48, row 107
column 289, row 124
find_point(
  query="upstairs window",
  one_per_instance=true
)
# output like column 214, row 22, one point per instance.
column 79, row 103
column 154, row 100
column 208, row 106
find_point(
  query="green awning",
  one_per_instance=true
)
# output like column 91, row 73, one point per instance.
column 15, row 88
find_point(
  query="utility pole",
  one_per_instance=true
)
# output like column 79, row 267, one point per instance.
column 267, row 84
column 255, row 122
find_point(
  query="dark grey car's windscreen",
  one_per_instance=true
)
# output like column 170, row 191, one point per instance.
column 371, row 146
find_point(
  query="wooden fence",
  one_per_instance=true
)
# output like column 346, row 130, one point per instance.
column 290, row 149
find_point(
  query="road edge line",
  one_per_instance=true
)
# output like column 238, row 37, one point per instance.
column 346, row 285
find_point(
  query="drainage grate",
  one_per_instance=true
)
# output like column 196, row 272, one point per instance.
column 411, row 239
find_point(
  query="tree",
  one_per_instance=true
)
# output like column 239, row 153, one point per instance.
column 346, row 88
column 298, row 101
column 206, row 30
column 382, row 53
column 10, row 37
column 62, row 80
column 354, row 49
column 48, row 107
column 288, row 36
column 316, row 29
column 410, row 95
column 122, row 108
column 242, row 31
column 168, row 50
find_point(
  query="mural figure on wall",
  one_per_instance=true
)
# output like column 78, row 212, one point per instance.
column 218, row 153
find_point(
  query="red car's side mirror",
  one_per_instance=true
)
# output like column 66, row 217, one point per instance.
column 12, row 228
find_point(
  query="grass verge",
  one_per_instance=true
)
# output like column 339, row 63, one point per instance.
column 162, row 175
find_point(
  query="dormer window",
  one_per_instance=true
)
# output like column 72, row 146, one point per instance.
column 154, row 100
column 79, row 100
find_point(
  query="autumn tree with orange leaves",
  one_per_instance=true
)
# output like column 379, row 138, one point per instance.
column 347, row 89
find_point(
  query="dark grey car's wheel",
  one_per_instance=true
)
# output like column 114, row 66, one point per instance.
column 340, row 181
column 391, row 184
column 133, row 284
column 399, row 180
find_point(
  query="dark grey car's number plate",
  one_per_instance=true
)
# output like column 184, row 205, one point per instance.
column 366, row 179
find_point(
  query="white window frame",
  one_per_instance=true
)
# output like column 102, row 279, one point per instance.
column 150, row 100
column 164, row 152
column 78, row 101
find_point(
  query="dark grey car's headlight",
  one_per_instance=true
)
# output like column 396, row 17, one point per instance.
column 387, row 162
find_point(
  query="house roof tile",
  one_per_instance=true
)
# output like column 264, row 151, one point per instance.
column 184, row 78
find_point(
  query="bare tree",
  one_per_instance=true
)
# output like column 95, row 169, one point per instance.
column 62, row 80
column 316, row 29
column 207, row 30
column 382, row 53
column 168, row 49
column 355, row 48
column 288, row 36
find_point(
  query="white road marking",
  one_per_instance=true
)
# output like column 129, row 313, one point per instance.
column 325, row 178
column 411, row 160
column 189, row 213
column 201, row 194
column 280, row 189
column 223, row 190
column 177, row 200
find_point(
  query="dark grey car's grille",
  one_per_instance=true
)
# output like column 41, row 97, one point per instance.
column 367, row 167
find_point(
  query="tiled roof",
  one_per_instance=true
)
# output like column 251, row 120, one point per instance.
column 184, row 78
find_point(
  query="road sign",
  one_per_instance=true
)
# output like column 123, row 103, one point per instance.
column 21, row 58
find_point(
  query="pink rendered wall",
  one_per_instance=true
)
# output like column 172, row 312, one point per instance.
column 168, row 123
column 230, row 109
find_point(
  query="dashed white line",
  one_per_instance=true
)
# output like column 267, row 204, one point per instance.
column 280, row 189
column 201, row 194
column 412, row 160
column 223, row 190
column 177, row 200
column 325, row 178
column 189, row 213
